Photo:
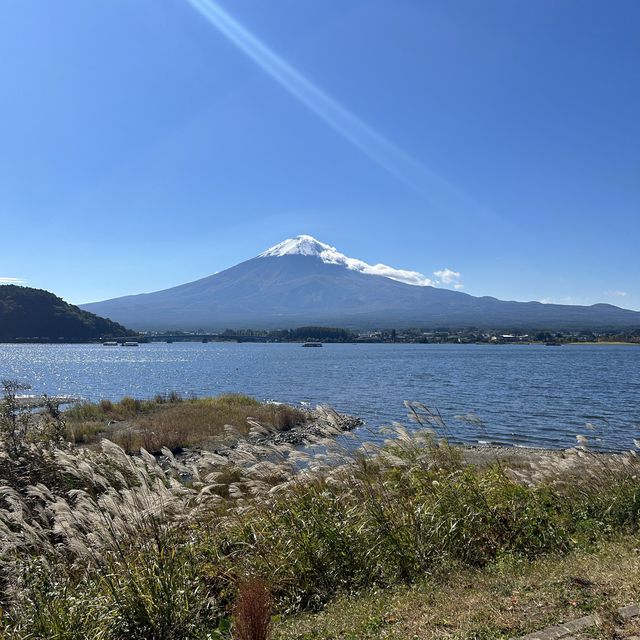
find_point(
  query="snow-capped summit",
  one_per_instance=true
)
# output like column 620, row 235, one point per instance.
column 300, row 245
column 305, row 245
column 304, row 282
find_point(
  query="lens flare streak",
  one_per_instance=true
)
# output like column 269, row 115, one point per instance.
column 394, row 160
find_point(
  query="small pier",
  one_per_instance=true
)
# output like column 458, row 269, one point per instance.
column 39, row 401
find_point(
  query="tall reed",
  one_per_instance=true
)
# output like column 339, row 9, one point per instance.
column 102, row 544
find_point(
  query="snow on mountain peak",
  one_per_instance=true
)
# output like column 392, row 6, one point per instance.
column 300, row 245
column 308, row 246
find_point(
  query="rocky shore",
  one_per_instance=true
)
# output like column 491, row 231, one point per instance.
column 316, row 427
column 320, row 421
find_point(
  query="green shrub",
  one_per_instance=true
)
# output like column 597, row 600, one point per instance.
column 399, row 518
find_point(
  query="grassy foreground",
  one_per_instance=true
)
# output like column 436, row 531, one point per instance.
column 173, row 422
column 512, row 596
column 402, row 538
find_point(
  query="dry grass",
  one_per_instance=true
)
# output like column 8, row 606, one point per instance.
column 176, row 424
column 252, row 611
column 505, row 599
column 101, row 544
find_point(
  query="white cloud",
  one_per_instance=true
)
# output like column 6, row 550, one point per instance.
column 447, row 276
column 4, row 280
column 573, row 300
column 306, row 245
column 401, row 275
column 583, row 300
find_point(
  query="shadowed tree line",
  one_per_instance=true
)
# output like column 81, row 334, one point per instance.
column 34, row 314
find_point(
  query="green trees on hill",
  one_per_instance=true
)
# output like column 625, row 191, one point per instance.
column 27, row 314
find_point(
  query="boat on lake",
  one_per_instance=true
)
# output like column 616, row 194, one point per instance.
column 130, row 343
column 109, row 343
column 312, row 344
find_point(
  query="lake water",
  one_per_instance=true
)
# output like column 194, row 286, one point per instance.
column 527, row 395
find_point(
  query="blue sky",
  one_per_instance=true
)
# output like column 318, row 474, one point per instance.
column 142, row 147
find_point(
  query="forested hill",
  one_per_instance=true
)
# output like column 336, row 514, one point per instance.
column 27, row 314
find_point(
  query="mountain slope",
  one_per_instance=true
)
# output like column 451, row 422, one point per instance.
column 303, row 281
column 27, row 313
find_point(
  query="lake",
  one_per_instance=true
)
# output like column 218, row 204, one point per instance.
column 526, row 395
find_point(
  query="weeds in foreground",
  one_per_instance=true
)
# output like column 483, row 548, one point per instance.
column 252, row 610
column 173, row 422
column 19, row 427
column 508, row 598
column 101, row 544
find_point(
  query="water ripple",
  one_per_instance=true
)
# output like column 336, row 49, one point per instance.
column 526, row 395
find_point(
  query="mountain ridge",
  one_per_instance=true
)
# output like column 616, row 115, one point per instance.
column 302, row 281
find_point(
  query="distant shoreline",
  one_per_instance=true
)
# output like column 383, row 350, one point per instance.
column 195, row 340
column 605, row 343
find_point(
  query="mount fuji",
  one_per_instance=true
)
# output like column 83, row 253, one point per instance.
column 302, row 281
